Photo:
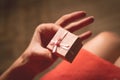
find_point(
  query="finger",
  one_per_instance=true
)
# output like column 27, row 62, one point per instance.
column 79, row 24
column 85, row 35
column 68, row 18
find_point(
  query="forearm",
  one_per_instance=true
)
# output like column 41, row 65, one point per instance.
column 20, row 70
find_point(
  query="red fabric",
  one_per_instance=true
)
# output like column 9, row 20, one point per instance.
column 86, row 66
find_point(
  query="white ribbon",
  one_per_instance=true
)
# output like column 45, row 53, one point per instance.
column 57, row 44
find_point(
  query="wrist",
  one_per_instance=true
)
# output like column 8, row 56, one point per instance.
column 20, row 70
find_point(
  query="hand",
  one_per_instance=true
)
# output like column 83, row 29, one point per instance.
column 38, row 54
column 37, row 57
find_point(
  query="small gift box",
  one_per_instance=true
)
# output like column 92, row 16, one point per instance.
column 65, row 44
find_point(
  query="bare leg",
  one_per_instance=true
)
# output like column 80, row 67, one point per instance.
column 106, row 45
column 117, row 62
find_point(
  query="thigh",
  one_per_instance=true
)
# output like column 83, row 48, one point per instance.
column 105, row 45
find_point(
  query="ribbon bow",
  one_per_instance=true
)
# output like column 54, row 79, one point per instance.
column 57, row 43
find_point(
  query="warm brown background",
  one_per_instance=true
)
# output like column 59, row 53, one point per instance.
column 19, row 18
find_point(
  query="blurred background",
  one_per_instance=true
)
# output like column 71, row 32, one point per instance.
column 19, row 18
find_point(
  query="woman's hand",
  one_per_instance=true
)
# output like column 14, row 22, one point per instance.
column 37, row 57
column 38, row 54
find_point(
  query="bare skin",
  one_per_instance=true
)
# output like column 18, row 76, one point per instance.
column 106, row 45
column 37, row 57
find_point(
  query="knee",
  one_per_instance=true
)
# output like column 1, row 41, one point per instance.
column 105, row 45
column 106, row 38
column 110, row 38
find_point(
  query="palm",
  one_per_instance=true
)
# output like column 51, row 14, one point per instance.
column 46, row 35
column 39, row 54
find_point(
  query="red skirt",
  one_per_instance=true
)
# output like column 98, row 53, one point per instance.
column 86, row 66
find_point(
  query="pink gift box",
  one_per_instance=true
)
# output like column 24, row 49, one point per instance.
column 65, row 44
